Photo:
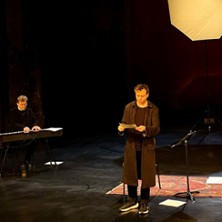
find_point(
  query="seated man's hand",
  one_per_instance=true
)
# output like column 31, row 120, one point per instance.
column 36, row 128
column 26, row 129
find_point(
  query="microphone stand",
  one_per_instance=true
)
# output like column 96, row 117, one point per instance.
column 184, row 141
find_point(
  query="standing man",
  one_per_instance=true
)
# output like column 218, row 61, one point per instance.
column 22, row 118
column 141, row 124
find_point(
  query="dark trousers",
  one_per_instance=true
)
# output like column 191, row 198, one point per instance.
column 132, row 190
column 24, row 150
column 29, row 152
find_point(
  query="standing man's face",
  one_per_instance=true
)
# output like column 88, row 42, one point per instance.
column 141, row 96
column 22, row 105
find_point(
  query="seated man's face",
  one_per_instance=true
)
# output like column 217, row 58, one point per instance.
column 22, row 105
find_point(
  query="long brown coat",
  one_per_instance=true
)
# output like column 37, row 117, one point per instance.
column 148, row 167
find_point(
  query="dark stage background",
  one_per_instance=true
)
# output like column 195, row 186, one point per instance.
column 78, row 63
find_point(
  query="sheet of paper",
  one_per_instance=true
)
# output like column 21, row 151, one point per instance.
column 172, row 203
column 214, row 180
column 54, row 163
column 128, row 126
column 53, row 129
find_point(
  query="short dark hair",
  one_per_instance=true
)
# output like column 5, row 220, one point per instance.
column 142, row 86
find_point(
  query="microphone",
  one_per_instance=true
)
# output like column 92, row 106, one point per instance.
column 182, row 140
column 173, row 145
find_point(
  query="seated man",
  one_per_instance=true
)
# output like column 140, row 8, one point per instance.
column 22, row 118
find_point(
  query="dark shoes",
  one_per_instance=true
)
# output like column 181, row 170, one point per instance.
column 144, row 209
column 23, row 170
column 26, row 168
column 128, row 206
column 29, row 167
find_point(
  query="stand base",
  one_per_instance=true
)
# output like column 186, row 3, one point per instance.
column 187, row 195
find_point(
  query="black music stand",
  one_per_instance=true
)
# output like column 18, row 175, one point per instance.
column 209, row 118
column 184, row 141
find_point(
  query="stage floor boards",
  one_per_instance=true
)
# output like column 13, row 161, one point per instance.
column 76, row 190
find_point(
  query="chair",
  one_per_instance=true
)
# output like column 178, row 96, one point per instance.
column 5, row 150
column 18, row 150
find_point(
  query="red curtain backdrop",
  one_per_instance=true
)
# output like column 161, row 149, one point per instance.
column 180, row 72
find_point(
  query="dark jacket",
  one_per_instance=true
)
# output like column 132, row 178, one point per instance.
column 148, row 161
column 20, row 119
